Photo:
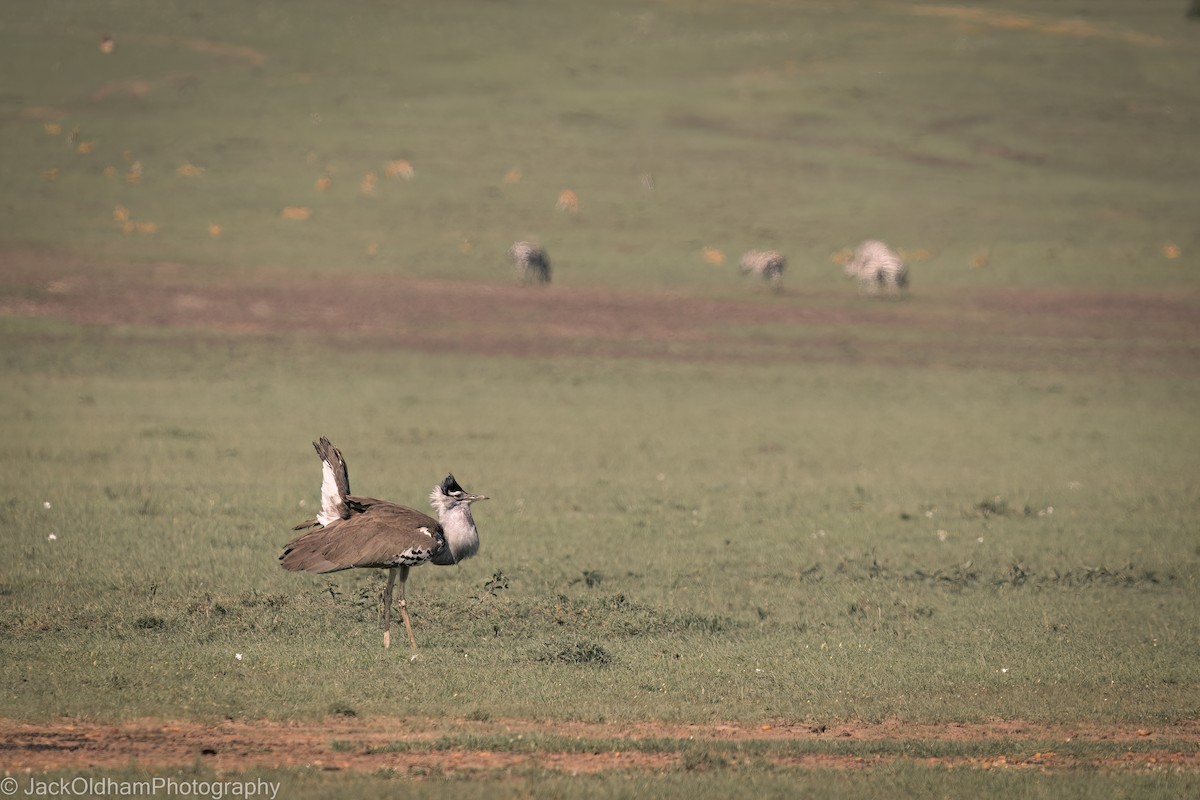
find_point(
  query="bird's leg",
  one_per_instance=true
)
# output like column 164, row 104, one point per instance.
column 387, row 606
column 404, row 609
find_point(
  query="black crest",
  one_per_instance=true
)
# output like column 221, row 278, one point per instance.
column 449, row 486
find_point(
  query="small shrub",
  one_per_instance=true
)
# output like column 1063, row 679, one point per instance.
column 996, row 507
column 584, row 653
column 498, row 582
column 703, row 761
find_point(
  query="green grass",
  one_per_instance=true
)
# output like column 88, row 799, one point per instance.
column 790, row 562
column 950, row 537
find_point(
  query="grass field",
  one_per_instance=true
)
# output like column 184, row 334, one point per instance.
column 739, row 541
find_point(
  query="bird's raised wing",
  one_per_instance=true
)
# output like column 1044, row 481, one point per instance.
column 335, row 482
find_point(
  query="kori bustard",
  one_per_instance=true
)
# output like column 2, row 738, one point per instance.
column 362, row 532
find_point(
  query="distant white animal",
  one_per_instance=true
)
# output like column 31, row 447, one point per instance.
column 531, row 261
column 877, row 267
column 766, row 264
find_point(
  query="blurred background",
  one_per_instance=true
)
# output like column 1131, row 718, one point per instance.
column 1009, row 144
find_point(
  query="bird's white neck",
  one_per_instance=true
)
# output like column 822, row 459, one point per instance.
column 461, row 535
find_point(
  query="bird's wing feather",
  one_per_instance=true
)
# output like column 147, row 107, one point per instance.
column 383, row 535
column 335, row 482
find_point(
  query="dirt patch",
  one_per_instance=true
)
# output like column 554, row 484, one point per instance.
column 426, row 747
column 1000, row 329
column 1070, row 28
column 141, row 87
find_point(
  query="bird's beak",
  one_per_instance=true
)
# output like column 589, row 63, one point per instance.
column 471, row 498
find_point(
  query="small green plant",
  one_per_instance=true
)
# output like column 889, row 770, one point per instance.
column 993, row 507
column 497, row 583
column 581, row 653
column 703, row 761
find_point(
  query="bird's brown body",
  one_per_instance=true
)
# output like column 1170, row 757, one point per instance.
column 376, row 534
column 362, row 532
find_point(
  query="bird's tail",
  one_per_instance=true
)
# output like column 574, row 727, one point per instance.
column 309, row 552
column 335, row 483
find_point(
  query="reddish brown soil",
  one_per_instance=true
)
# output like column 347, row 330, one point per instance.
column 369, row 745
column 997, row 328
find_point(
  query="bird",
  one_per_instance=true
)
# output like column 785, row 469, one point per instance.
column 362, row 532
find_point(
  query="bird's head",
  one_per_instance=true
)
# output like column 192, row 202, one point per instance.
column 448, row 492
